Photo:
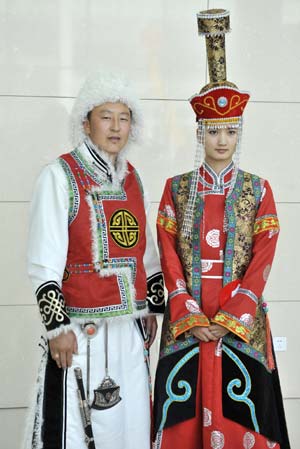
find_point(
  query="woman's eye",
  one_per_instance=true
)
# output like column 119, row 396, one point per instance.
column 212, row 132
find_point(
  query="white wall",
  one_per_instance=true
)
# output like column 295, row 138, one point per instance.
column 47, row 47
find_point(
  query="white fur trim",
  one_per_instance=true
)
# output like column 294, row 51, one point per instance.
column 63, row 329
column 34, row 420
column 100, row 88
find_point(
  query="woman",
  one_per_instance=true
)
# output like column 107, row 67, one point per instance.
column 217, row 384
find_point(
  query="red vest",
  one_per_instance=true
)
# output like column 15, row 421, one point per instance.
column 104, row 273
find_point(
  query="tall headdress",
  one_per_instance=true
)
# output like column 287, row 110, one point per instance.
column 220, row 103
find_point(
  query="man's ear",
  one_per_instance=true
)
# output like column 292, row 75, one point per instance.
column 86, row 126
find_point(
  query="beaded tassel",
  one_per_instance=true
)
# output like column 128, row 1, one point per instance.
column 189, row 213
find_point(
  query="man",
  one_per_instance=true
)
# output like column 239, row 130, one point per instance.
column 217, row 383
column 96, row 274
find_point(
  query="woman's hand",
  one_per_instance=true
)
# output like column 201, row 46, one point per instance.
column 211, row 333
column 218, row 331
column 203, row 333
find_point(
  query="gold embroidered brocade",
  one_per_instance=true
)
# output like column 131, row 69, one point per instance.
column 257, row 337
column 214, row 28
column 184, row 245
column 245, row 212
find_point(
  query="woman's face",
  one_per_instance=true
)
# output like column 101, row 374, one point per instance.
column 220, row 144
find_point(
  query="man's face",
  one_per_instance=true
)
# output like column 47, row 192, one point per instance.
column 220, row 145
column 108, row 126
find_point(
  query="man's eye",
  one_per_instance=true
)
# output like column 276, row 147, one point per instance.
column 124, row 119
column 105, row 117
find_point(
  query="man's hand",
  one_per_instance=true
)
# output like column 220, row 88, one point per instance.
column 62, row 349
column 203, row 333
column 218, row 331
column 151, row 326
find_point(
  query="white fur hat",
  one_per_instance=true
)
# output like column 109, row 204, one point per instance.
column 99, row 88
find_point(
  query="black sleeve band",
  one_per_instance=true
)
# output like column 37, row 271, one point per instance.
column 155, row 293
column 52, row 305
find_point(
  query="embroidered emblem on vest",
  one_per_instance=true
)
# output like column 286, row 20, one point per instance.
column 124, row 228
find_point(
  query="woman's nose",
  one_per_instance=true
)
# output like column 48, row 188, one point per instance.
column 222, row 137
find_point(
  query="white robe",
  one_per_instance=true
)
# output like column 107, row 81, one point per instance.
column 126, row 425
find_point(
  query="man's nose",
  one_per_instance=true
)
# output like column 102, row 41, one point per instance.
column 115, row 124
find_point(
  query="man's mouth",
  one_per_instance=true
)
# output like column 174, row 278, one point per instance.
column 114, row 139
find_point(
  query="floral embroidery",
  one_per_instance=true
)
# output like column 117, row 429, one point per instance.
column 246, row 349
column 206, row 417
column 178, row 346
column 213, row 238
column 271, row 444
column 248, row 440
column 168, row 223
column 181, row 288
column 232, row 324
column 169, row 212
column 247, row 319
column 187, row 322
column 192, row 306
column 217, row 440
column 266, row 223
column 206, row 265
column 180, row 283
